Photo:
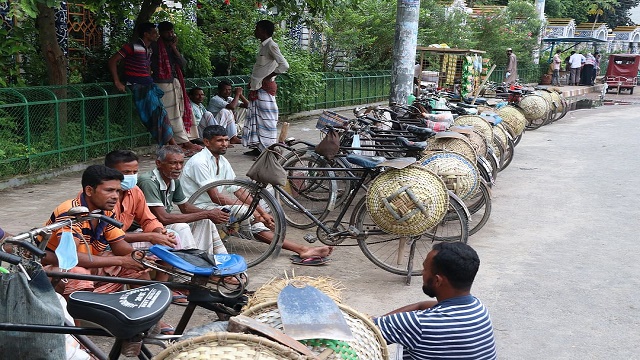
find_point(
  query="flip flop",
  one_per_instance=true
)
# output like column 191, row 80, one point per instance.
column 312, row 261
column 179, row 299
column 166, row 329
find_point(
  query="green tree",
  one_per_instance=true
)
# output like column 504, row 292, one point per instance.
column 439, row 25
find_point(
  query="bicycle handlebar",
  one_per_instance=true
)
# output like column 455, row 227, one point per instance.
column 10, row 258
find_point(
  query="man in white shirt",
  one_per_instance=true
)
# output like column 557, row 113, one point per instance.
column 210, row 165
column 575, row 61
column 224, row 107
column 202, row 117
column 260, row 128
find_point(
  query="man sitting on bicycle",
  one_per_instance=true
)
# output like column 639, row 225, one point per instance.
column 162, row 190
column 210, row 165
column 100, row 188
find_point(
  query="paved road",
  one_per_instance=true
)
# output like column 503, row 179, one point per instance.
column 559, row 255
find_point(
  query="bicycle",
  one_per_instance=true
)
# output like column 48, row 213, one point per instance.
column 129, row 316
column 390, row 252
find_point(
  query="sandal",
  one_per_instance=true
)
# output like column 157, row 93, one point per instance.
column 312, row 261
column 179, row 299
column 166, row 329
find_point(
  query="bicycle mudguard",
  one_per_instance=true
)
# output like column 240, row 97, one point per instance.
column 200, row 263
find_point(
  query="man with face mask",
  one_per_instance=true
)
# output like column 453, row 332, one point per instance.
column 457, row 325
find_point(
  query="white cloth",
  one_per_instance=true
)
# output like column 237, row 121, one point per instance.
column 269, row 59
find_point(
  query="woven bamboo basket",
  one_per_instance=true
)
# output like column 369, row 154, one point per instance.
column 500, row 133
column 546, row 94
column 229, row 346
column 459, row 174
column 457, row 145
column 534, row 107
column 270, row 290
column 368, row 342
column 478, row 122
column 479, row 142
column 513, row 119
column 557, row 100
column 407, row 201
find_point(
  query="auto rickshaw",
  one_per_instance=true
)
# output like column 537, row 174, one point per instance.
column 622, row 72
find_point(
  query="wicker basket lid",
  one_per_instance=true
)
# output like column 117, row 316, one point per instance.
column 458, row 173
column 479, row 142
column 557, row 100
column 500, row 134
column 460, row 145
column 513, row 119
column 478, row 122
column 407, row 201
column 368, row 342
column 534, row 107
column 225, row 345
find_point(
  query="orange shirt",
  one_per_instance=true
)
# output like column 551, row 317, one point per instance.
column 134, row 208
column 97, row 239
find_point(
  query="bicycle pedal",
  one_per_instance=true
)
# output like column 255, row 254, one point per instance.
column 310, row 238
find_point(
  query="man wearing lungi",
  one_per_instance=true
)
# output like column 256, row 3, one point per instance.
column 137, row 76
column 259, row 131
column 166, row 68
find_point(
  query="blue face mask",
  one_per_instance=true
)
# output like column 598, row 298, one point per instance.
column 129, row 182
column 66, row 252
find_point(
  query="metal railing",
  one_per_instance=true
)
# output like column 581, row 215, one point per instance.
column 526, row 74
column 48, row 127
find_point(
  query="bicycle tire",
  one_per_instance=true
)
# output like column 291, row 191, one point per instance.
column 315, row 195
column 389, row 252
column 244, row 243
column 455, row 224
column 479, row 206
column 509, row 153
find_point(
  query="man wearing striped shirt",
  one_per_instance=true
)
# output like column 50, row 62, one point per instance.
column 457, row 325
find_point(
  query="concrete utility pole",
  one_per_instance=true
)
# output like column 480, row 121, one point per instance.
column 404, row 50
column 540, row 10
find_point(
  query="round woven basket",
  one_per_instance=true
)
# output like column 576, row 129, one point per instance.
column 534, row 107
column 228, row 346
column 479, row 142
column 368, row 342
column 546, row 94
column 557, row 100
column 513, row 119
column 407, row 201
column 500, row 133
column 478, row 122
column 270, row 290
column 456, row 145
column 458, row 173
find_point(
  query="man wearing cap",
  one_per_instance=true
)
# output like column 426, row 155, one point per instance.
column 512, row 67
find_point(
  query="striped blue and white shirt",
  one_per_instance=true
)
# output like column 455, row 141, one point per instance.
column 456, row 328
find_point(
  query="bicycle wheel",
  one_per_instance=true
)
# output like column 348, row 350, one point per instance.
column 479, row 206
column 387, row 251
column 318, row 196
column 237, row 235
column 455, row 224
column 509, row 152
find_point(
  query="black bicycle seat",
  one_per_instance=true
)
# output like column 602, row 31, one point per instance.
column 423, row 132
column 124, row 314
column 411, row 145
column 367, row 162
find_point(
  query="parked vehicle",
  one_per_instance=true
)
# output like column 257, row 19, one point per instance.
column 622, row 72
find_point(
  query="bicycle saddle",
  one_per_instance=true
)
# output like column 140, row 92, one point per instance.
column 124, row 314
column 423, row 132
column 198, row 262
column 367, row 162
column 411, row 145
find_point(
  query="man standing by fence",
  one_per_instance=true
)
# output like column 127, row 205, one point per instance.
column 166, row 66
column 512, row 68
column 137, row 75
column 260, row 128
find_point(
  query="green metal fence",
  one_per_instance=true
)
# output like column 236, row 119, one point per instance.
column 44, row 128
column 526, row 74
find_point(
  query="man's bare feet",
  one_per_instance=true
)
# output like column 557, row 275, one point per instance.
column 235, row 140
column 321, row 251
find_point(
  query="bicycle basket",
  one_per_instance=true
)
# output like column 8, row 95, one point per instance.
column 225, row 345
column 331, row 118
column 513, row 118
column 453, row 144
column 534, row 107
column 368, row 342
column 478, row 123
column 479, row 142
column 458, row 173
column 407, row 201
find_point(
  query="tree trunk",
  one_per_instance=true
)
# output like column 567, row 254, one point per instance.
column 147, row 9
column 55, row 60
